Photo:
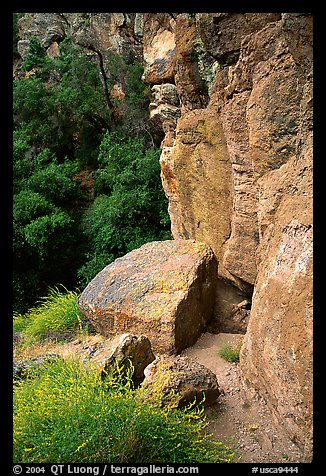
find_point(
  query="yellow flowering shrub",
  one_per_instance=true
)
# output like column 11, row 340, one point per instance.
column 70, row 414
column 58, row 311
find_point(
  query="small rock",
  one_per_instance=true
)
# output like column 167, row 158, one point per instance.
column 17, row 337
column 119, row 350
column 186, row 378
column 76, row 342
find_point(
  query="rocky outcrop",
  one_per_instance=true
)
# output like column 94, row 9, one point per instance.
column 278, row 343
column 211, row 156
column 238, row 176
column 159, row 47
column 164, row 110
column 123, row 351
column 164, row 290
column 101, row 36
column 276, row 357
column 105, row 33
column 194, row 173
column 180, row 381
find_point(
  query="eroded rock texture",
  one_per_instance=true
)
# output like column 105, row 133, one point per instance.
column 238, row 174
column 123, row 350
column 163, row 290
column 181, row 381
column 99, row 32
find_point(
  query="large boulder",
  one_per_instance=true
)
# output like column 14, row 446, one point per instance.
column 164, row 290
column 180, row 381
column 123, row 350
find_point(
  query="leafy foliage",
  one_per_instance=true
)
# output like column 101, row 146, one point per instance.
column 36, row 56
column 70, row 414
column 57, row 311
column 229, row 352
column 133, row 107
column 62, row 125
column 43, row 225
column 130, row 208
column 61, row 104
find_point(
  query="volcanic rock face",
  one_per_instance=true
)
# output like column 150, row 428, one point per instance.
column 194, row 173
column 164, row 290
column 232, row 93
column 99, row 32
column 238, row 176
column 159, row 47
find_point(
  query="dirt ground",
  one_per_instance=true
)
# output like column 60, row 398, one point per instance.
column 247, row 425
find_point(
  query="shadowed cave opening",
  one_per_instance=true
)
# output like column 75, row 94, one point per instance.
column 231, row 310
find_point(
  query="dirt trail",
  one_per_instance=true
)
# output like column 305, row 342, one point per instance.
column 249, row 425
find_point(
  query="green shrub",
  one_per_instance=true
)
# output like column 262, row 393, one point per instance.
column 229, row 352
column 20, row 142
column 58, row 311
column 29, row 205
column 44, row 227
column 131, row 207
column 55, row 183
column 70, row 414
column 62, row 104
column 36, row 56
column 20, row 322
column 133, row 108
column 61, row 121
column 35, row 111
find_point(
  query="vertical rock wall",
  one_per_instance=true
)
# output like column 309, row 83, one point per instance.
column 238, row 175
column 232, row 98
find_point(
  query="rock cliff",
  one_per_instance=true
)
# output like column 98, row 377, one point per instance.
column 232, row 99
column 238, row 177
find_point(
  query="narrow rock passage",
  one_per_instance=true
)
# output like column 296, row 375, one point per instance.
column 248, row 425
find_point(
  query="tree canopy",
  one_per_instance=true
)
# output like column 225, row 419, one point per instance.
column 62, row 127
